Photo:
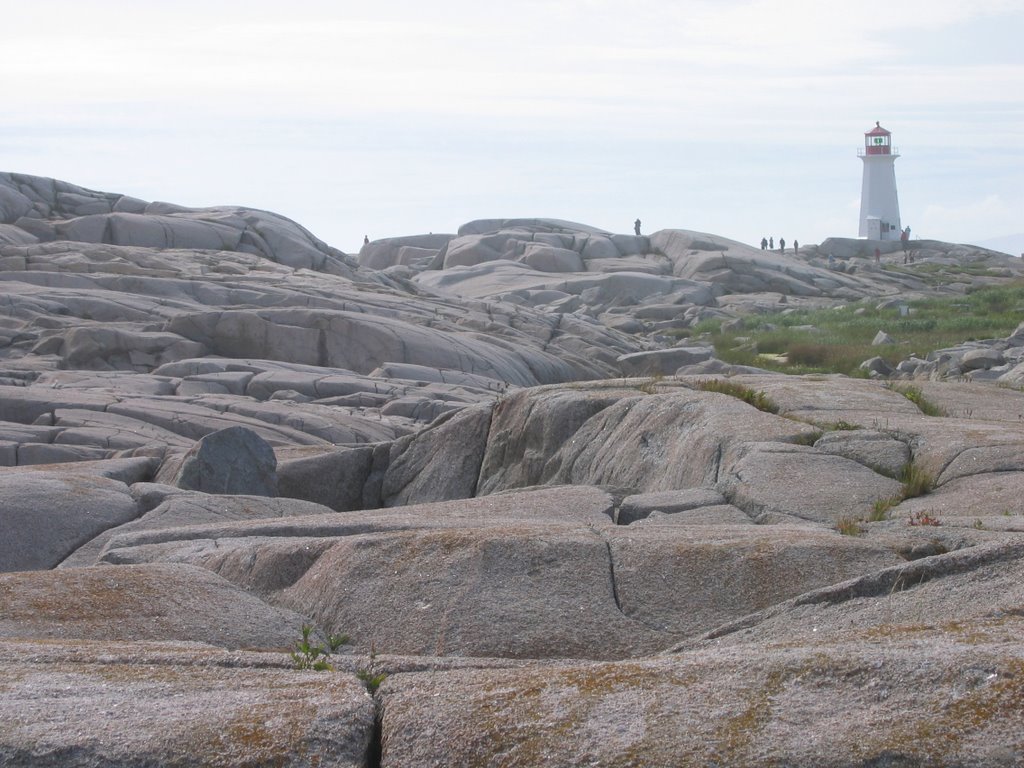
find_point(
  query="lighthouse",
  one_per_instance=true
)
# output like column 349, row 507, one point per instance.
column 879, row 206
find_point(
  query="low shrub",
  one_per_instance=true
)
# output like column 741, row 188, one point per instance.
column 922, row 518
column 809, row 354
column 838, row 340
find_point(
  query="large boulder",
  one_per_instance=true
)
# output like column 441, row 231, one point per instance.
column 229, row 461
column 440, row 463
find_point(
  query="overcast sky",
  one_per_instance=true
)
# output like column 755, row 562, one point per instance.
column 735, row 117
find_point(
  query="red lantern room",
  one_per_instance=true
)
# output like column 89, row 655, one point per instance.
column 878, row 141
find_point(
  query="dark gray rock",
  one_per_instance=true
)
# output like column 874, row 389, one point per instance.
column 877, row 365
column 230, row 461
column 337, row 479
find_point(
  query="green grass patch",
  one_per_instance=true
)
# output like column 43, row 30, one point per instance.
column 756, row 398
column 914, row 395
column 849, row 527
column 916, row 482
column 839, row 340
column 880, row 510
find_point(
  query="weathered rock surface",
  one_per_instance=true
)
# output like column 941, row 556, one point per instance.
column 944, row 702
column 91, row 704
column 47, row 515
column 151, row 602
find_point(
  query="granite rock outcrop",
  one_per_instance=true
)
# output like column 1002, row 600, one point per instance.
column 473, row 454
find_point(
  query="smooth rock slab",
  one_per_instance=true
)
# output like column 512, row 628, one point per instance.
column 530, row 427
column 191, row 508
column 513, row 592
column 941, row 703
column 663, row 441
column 439, row 463
column 770, row 481
column 875, row 450
column 663, row 362
column 639, row 506
column 336, row 479
column 47, row 515
column 141, row 602
column 136, row 704
column 688, row 580
column 973, row 594
column 974, row 497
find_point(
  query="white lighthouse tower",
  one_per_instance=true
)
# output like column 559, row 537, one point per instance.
column 879, row 206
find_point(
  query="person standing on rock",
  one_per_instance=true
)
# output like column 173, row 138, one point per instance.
column 782, row 245
column 771, row 243
column 796, row 247
column 366, row 239
column 764, row 243
column 878, row 255
column 636, row 227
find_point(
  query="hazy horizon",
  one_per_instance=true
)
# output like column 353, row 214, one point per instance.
column 742, row 119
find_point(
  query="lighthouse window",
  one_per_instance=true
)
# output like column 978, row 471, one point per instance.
column 879, row 140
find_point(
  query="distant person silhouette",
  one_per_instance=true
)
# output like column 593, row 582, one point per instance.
column 764, row 243
column 636, row 227
column 796, row 247
column 771, row 243
column 366, row 239
column 782, row 245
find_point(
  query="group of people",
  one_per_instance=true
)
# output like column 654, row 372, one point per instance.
column 768, row 244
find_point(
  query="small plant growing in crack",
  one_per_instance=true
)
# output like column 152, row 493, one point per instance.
column 880, row 509
column 914, row 395
column 916, row 482
column 371, row 677
column 309, row 654
column 843, row 426
column 849, row 526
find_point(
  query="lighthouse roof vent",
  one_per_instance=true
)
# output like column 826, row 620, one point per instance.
column 878, row 130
